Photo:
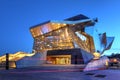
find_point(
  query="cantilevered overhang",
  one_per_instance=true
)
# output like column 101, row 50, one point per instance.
column 73, row 22
column 54, row 25
column 109, row 42
column 106, row 42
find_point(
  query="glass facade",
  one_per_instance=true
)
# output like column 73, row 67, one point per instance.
column 45, row 28
column 55, row 36
column 58, row 39
column 59, row 59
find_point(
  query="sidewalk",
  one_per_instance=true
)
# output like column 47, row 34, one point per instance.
column 40, row 73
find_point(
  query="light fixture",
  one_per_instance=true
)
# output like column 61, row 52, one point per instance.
column 64, row 24
column 53, row 23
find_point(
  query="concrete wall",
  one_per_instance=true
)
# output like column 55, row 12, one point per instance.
column 36, row 60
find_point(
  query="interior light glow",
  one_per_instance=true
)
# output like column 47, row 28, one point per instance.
column 53, row 23
column 64, row 24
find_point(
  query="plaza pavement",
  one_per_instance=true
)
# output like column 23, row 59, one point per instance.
column 58, row 73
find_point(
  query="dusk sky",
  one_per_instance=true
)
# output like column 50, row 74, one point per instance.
column 17, row 16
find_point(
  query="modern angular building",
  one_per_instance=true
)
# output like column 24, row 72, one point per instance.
column 66, row 41
column 63, row 42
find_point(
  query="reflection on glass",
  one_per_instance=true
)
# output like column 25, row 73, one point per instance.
column 53, row 36
column 59, row 60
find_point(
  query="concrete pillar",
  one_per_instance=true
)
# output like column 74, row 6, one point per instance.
column 7, row 61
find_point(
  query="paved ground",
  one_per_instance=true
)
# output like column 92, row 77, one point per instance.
column 42, row 73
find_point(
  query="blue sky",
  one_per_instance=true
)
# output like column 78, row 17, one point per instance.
column 17, row 16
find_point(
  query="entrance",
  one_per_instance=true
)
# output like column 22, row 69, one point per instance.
column 59, row 59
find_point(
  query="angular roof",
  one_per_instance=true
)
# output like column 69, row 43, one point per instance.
column 77, row 17
column 72, row 20
column 51, row 25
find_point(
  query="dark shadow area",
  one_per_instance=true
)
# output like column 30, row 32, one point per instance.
column 89, row 73
column 100, row 76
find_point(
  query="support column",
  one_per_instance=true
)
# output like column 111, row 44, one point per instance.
column 7, row 61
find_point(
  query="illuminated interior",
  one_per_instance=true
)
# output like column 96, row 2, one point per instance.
column 54, row 36
column 59, row 59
